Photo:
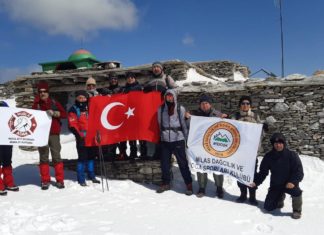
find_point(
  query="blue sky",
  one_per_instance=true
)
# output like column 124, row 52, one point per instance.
column 137, row 32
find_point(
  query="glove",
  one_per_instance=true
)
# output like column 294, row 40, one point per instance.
column 56, row 114
column 50, row 112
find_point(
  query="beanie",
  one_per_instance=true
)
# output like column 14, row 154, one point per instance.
column 91, row 81
column 158, row 64
column 205, row 98
column 42, row 86
column 130, row 74
column 82, row 92
column 245, row 97
column 277, row 137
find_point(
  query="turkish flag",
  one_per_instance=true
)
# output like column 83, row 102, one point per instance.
column 121, row 117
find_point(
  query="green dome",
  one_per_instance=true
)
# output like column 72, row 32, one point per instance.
column 81, row 54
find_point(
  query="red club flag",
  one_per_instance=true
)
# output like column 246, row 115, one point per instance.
column 121, row 117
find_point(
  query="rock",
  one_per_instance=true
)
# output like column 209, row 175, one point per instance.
column 271, row 120
column 295, row 77
column 280, row 107
column 298, row 106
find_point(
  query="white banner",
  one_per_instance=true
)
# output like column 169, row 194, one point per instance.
column 24, row 127
column 223, row 146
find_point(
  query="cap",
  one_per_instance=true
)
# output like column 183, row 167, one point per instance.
column 91, row 81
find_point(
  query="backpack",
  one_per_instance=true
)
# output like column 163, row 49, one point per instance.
column 174, row 128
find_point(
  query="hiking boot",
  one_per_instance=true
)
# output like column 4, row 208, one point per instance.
column 3, row 192
column 220, row 192
column 297, row 203
column 281, row 201
column 242, row 198
column 163, row 188
column 253, row 201
column 189, row 191
column 12, row 188
column 252, row 198
column 45, row 185
column 296, row 215
column 95, row 181
column 83, row 184
column 59, row 185
column 201, row 192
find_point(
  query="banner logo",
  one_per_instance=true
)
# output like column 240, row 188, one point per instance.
column 221, row 139
column 22, row 124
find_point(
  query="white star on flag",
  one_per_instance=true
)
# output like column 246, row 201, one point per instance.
column 130, row 112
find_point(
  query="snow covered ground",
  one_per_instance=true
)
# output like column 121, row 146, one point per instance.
column 132, row 208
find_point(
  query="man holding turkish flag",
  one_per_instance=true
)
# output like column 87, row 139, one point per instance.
column 122, row 117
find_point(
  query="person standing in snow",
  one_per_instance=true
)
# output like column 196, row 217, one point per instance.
column 174, row 132
column 6, row 177
column 286, row 173
column 56, row 111
column 78, row 124
column 206, row 110
column 246, row 115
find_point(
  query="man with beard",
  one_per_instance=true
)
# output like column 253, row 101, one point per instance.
column 160, row 81
column 286, row 173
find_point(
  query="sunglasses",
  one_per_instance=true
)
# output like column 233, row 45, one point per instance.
column 245, row 103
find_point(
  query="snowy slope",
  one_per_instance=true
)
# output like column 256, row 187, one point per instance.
column 131, row 208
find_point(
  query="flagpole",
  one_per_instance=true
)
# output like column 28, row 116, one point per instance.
column 282, row 43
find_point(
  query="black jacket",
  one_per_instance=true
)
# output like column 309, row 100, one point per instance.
column 285, row 166
column 131, row 87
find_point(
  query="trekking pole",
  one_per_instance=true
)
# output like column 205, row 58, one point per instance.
column 103, row 171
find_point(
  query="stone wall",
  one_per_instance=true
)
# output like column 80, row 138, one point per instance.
column 222, row 69
column 6, row 90
column 295, row 108
column 138, row 171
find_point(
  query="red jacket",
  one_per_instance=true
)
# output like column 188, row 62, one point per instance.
column 55, row 106
column 78, row 125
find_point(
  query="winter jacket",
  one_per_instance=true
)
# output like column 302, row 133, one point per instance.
column 285, row 166
column 54, row 105
column 131, row 87
column 248, row 116
column 212, row 113
column 160, row 84
column 171, row 127
column 78, row 123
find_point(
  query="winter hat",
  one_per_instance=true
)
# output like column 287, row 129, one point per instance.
column 158, row 64
column 277, row 137
column 245, row 97
column 130, row 74
column 82, row 92
column 112, row 76
column 91, row 81
column 205, row 98
column 42, row 86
